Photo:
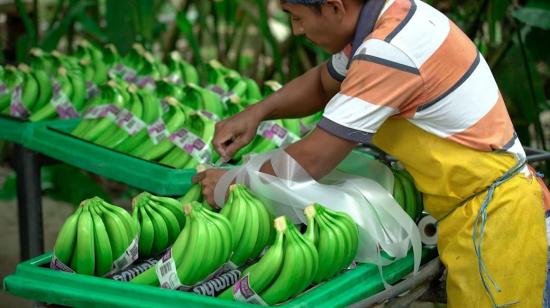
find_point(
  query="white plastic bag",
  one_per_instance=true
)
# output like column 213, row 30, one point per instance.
column 382, row 223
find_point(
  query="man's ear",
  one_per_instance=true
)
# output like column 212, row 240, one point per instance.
column 335, row 8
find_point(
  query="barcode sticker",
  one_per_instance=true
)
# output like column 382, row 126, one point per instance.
column 192, row 144
column 276, row 133
column 129, row 122
column 126, row 73
column 102, row 111
column 242, row 292
column 157, row 131
column 167, row 273
column 17, row 108
column 127, row 258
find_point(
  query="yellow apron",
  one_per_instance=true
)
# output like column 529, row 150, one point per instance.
column 514, row 248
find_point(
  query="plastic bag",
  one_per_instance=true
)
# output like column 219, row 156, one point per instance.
column 382, row 223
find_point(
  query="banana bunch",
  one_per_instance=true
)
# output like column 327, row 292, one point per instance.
column 118, row 132
column 108, row 105
column 161, row 220
column 182, row 155
column 151, row 112
column 203, row 246
column 94, row 238
column 158, row 144
column 10, row 86
column 335, row 236
column 199, row 98
column 181, row 72
column 406, row 194
column 165, row 88
column 261, row 143
column 92, row 61
column 250, row 220
column 285, row 270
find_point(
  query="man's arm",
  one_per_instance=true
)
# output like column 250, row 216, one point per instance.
column 302, row 96
column 318, row 153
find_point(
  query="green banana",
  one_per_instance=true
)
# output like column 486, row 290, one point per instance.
column 193, row 194
column 66, row 239
column 174, row 119
column 292, row 276
column 84, row 263
column 409, row 196
column 151, row 112
column 147, row 233
column 161, row 231
column 103, row 251
column 262, row 273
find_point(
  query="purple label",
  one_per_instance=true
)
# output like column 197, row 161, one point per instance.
column 57, row 265
column 243, row 286
column 3, row 89
column 217, row 89
column 142, row 82
column 66, row 112
column 278, row 130
column 91, row 90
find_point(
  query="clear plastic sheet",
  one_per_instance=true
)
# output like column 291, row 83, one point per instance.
column 359, row 187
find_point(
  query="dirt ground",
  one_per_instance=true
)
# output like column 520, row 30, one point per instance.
column 54, row 213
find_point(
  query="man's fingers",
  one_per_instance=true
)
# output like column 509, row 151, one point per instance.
column 198, row 177
column 232, row 148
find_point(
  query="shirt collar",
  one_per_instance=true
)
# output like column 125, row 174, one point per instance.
column 367, row 20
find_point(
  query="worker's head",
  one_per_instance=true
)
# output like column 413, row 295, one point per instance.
column 329, row 24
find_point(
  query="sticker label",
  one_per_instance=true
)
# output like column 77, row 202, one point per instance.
column 102, row 111
column 225, row 96
column 57, row 265
column 157, row 131
column 147, row 82
column 276, row 133
column 210, row 115
column 217, row 285
column 175, row 79
column 134, row 270
column 126, row 73
column 62, row 103
column 91, row 90
column 129, row 122
column 17, row 109
column 192, row 144
column 242, row 292
column 167, row 273
column 3, row 89
column 127, row 258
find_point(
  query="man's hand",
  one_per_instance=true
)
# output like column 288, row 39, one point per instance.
column 236, row 132
column 208, row 180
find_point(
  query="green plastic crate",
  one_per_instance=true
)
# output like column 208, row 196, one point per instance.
column 14, row 130
column 53, row 140
column 34, row 281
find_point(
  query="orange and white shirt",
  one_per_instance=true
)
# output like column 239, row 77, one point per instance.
column 408, row 60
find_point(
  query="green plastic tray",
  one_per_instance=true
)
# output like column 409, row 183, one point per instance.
column 33, row 280
column 53, row 140
column 14, row 130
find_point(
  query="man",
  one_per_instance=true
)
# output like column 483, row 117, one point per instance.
column 407, row 79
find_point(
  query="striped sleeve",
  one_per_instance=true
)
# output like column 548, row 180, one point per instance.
column 381, row 82
column 338, row 64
